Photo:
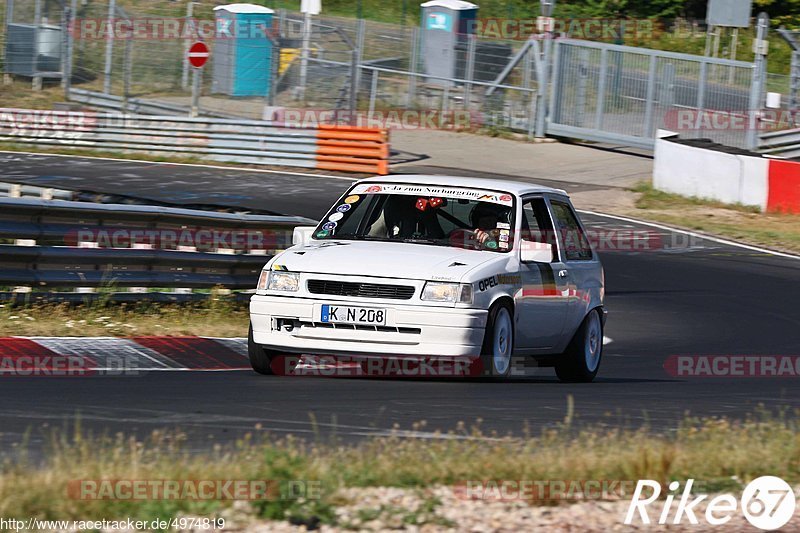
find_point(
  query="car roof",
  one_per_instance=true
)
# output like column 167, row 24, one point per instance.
column 518, row 188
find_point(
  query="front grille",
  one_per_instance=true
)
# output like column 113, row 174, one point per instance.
column 360, row 327
column 361, row 290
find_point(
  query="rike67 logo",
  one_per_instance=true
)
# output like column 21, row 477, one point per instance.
column 767, row 502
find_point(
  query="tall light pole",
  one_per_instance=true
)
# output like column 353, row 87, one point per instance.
column 308, row 7
column 544, row 24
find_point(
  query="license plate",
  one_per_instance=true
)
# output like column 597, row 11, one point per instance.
column 353, row 315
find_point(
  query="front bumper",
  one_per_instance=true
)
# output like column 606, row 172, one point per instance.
column 409, row 330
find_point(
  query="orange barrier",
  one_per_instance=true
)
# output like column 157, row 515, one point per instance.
column 347, row 148
column 352, row 149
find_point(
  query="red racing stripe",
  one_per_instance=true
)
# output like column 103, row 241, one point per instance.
column 195, row 352
column 27, row 357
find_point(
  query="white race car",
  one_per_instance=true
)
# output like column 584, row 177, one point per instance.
column 437, row 266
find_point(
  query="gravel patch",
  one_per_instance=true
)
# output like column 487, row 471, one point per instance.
column 443, row 509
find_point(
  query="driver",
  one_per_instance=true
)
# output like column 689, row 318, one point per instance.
column 484, row 218
column 404, row 220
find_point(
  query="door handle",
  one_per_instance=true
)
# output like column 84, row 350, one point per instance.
column 562, row 273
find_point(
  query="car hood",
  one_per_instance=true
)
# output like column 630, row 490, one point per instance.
column 384, row 259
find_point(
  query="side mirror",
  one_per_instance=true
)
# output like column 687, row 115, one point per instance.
column 535, row 252
column 302, row 234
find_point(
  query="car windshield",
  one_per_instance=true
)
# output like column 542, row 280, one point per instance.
column 440, row 216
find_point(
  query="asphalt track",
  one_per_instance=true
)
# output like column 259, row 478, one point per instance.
column 179, row 185
column 687, row 297
column 197, row 185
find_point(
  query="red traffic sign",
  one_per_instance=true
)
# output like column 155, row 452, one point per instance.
column 198, row 54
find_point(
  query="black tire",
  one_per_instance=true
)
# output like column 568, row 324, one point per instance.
column 489, row 366
column 260, row 358
column 585, row 351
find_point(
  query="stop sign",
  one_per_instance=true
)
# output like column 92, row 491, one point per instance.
column 198, row 54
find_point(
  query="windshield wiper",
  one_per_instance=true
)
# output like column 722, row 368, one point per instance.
column 410, row 240
column 351, row 237
column 414, row 240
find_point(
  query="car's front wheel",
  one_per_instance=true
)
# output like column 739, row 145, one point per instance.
column 260, row 358
column 498, row 342
column 581, row 360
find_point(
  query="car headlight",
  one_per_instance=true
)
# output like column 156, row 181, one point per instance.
column 281, row 281
column 435, row 291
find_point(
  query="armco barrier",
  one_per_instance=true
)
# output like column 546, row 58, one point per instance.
column 325, row 147
column 782, row 143
column 683, row 167
column 137, row 106
column 58, row 244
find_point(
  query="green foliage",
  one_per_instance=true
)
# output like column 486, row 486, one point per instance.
column 782, row 12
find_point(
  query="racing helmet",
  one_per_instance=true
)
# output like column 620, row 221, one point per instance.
column 400, row 215
column 486, row 215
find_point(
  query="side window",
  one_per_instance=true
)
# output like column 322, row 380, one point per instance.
column 576, row 245
column 536, row 225
column 531, row 231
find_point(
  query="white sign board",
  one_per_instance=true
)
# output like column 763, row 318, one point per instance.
column 730, row 13
column 312, row 7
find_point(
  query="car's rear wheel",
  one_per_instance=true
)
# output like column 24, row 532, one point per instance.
column 498, row 342
column 581, row 360
column 260, row 357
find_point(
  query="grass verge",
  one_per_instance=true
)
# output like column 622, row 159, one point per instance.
column 724, row 454
column 741, row 223
column 215, row 317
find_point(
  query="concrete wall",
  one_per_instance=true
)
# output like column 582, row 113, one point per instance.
column 769, row 184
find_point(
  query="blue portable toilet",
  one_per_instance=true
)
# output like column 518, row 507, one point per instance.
column 242, row 55
column 445, row 27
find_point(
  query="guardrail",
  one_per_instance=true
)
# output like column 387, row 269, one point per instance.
column 55, row 245
column 783, row 143
column 136, row 106
column 324, row 147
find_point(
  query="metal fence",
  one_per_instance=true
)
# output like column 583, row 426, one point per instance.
column 623, row 94
column 354, row 65
column 369, row 69
column 50, row 245
column 372, row 70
